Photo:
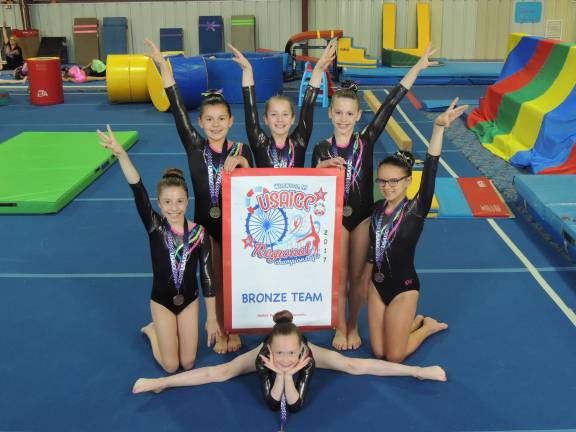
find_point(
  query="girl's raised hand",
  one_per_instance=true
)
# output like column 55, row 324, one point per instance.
column 451, row 114
column 108, row 141
column 239, row 58
column 154, row 53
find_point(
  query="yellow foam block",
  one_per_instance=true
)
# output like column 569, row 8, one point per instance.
column 139, row 78
column 352, row 57
column 117, row 78
column 156, row 88
column 413, row 190
column 398, row 135
column 126, row 78
column 389, row 28
column 529, row 121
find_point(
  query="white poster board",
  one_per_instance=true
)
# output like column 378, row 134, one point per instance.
column 281, row 244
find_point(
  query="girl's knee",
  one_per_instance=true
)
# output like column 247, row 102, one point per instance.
column 219, row 373
column 188, row 363
column 171, row 365
column 396, row 356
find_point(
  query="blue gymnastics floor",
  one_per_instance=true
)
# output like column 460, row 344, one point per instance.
column 74, row 290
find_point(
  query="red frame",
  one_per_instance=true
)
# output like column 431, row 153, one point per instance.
column 226, row 244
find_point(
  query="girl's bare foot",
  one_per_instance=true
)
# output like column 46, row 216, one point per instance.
column 340, row 342
column 417, row 323
column 434, row 373
column 353, row 339
column 234, row 342
column 433, row 326
column 221, row 345
column 143, row 385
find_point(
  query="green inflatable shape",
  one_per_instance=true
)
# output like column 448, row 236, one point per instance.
column 41, row 172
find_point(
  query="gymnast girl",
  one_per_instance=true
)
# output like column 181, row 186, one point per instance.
column 352, row 151
column 177, row 248
column 285, row 362
column 282, row 149
column 12, row 51
column 208, row 159
column 396, row 225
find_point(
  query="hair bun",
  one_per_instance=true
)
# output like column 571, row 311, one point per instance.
column 283, row 317
column 349, row 85
column 405, row 157
column 173, row 172
column 214, row 93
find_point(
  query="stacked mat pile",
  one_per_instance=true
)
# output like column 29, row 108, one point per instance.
column 528, row 117
column 552, row 200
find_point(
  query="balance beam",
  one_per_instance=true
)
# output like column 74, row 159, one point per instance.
column 395, row 131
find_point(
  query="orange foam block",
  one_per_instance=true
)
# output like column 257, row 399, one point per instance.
column 483, row 199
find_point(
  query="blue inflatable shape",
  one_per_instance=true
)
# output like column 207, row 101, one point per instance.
column 191, row 76
column 225, row 74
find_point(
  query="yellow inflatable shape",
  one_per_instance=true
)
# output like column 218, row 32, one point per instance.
column 395, row 131
column 172, row 53
column 353, row 57
column 513, row 40
column 156, row 88
column 389, row 28
column 527, row 127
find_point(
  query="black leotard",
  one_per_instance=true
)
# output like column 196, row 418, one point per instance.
column 294, row 151
column 301, row 381
column 360, row 197
column 398, row 262
column 196, row 147
column 163, row 288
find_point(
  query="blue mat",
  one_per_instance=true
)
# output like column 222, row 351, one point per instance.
column 552, row 200
column 451, row 73
column 439, row 105
column 452, row 201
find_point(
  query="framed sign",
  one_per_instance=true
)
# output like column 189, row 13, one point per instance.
column 528, row 12
column 281, row 246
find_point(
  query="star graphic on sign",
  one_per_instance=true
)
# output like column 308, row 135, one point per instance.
column 211, row 26
column 248, row 242
column 320, row 195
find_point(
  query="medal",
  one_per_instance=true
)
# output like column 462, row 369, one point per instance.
column 178, row 300
column 215, row 212
column 352, row 169
column 379, row 277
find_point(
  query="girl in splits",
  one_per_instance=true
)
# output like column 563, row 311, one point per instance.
column 282, row 149
column 352, row 151
column 177, row 248
column 396, row 225
column 208, row 159
column 285, row 362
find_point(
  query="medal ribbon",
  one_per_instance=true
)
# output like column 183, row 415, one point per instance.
column 177, row 268
column 283, row 412
column 385, row 232
column 215, row 173
column 286, row 158
column 355, row 146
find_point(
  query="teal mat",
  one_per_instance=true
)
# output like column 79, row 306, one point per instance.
column 41, row 172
